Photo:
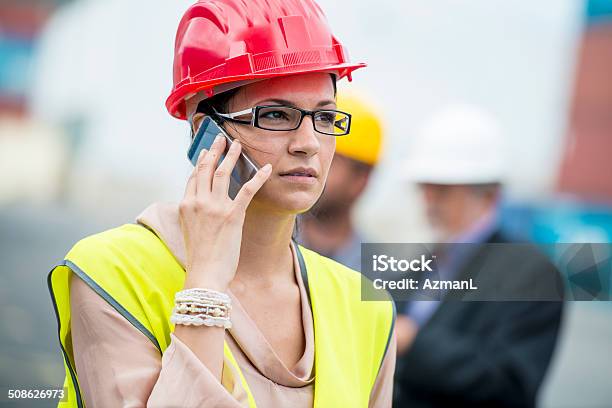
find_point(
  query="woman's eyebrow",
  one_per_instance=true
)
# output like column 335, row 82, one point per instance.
column 289, row 103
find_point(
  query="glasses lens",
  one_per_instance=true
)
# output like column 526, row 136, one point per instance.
column 278, row 118
column 332, row 122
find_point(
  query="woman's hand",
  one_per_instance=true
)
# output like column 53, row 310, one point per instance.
column 211, row 221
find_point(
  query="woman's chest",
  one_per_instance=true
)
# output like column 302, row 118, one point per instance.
column 279, row 321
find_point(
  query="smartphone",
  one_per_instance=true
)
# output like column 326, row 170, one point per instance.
column 245, row 167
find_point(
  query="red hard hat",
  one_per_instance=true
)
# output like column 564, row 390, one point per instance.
column 223, row 41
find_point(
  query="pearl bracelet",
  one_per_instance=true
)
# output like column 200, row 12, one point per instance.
column 201, row 299
column 184, row 305
column 200, row 293
column 199, row 320
column 212, row 308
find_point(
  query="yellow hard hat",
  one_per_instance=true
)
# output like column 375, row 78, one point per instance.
column 364, row 142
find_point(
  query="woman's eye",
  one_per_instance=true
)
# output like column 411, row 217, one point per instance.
column 327, row 118
column 274, row 115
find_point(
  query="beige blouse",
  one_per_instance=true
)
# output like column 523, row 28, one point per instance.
column 120, row 367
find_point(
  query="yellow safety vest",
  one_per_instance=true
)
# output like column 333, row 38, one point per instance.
column 134, row 271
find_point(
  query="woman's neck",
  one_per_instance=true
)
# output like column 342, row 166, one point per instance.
column 265, row 255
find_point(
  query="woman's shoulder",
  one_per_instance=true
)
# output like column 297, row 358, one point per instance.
column 124, row 232
column 127, row 249
column 111, row 239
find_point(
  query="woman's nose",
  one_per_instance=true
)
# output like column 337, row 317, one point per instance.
column 304, row 139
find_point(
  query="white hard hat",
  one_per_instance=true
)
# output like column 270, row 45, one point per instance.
column 459, row 145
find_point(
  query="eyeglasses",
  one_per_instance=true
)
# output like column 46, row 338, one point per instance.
column 284, row 118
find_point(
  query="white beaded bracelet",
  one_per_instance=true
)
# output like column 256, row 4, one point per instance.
column 199, row 320
column 199, row 293
column 212, row 308
column 190, row 299
column 201, row 305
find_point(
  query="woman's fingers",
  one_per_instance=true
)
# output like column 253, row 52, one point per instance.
column 207, row 165
column 251, row 187
column 190, row 189
column 221, row 177
column 207, row 177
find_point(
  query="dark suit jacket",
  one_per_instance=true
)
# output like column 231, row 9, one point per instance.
column 484, row 354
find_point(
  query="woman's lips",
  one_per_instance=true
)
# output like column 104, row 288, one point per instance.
column 300, row 174
column 299, row 178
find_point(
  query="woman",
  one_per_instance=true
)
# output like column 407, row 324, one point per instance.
column 209, row 303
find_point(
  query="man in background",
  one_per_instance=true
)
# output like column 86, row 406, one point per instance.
column 328, row 227
column 456, row 353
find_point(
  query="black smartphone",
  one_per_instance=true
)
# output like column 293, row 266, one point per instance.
column 245, row 167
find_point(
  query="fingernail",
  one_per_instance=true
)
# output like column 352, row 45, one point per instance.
column 201, row 153
column 218, row 139
column 267, row 168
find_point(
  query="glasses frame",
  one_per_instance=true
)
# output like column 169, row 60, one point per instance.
column 254, row 111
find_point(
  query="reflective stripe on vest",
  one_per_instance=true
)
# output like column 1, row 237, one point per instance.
column 134, row 271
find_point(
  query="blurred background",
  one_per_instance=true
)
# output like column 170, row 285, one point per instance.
column 86, row 143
